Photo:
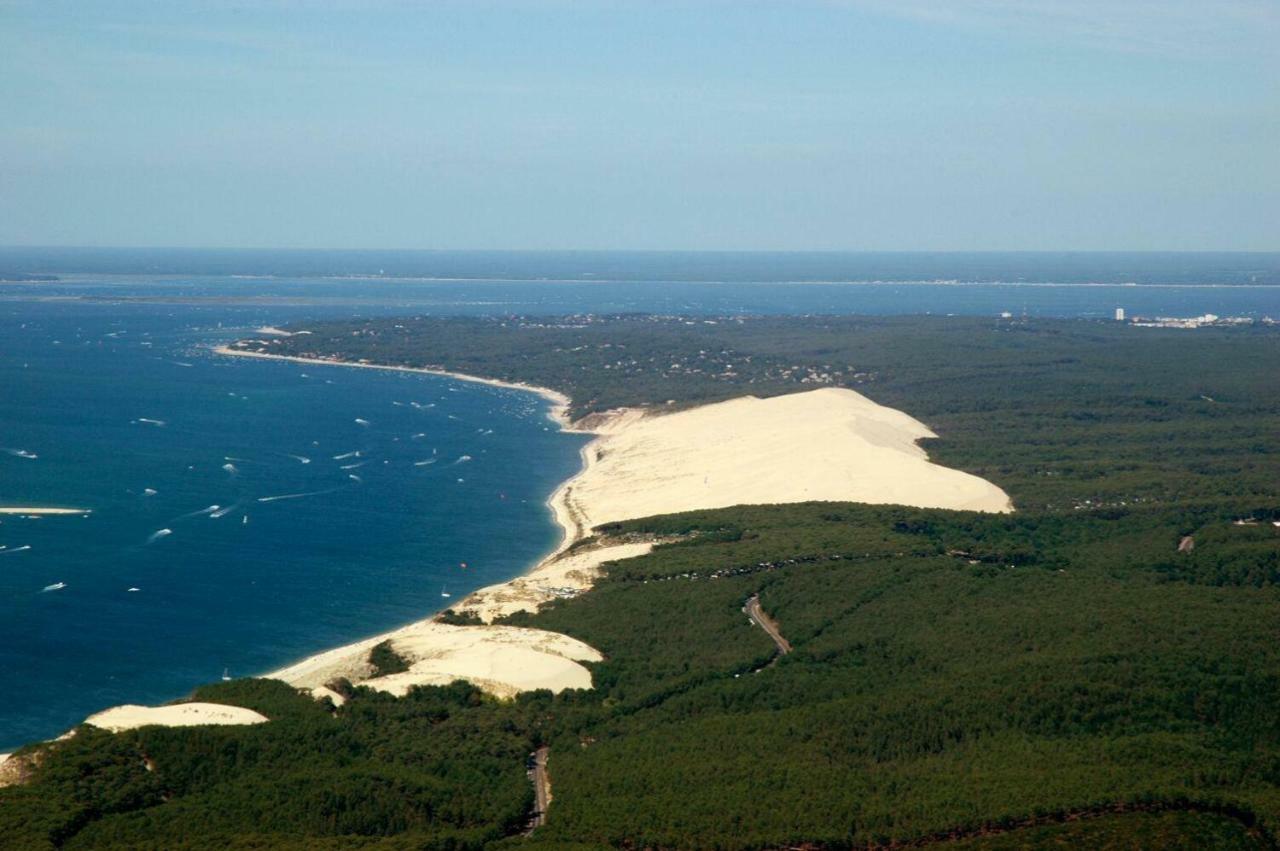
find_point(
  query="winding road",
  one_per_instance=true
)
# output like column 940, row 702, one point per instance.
column 752, row 610
column 541, row 790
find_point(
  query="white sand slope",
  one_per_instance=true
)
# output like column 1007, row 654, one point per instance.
column 563, row 574
column 502, row 660
column 830, row 444
column 178, row 715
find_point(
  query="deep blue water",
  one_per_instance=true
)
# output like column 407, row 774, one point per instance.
column 300, row 574
column 84, row 362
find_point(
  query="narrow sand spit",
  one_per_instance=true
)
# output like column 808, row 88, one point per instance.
column 37, row 511
column 560, row 402
column 178, row 715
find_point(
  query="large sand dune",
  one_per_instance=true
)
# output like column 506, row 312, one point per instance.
column 830, row 444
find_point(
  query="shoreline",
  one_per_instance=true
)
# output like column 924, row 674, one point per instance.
column 830, row 444
column 441, row 652
column 668, row 460
column 560, row 402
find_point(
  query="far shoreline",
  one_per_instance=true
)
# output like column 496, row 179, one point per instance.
column 571, row 531
column 560, row 402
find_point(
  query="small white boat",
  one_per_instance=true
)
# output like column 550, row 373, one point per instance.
column 226, row 675
column 57, row 586
column 444, row 593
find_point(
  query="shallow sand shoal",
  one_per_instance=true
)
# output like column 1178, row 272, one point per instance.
column 38, row 511
column 177, row 715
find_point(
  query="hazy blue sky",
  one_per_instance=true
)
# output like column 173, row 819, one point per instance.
column 846, row 124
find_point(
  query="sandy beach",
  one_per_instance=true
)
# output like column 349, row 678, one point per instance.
column 559, row 401
column 828, row 444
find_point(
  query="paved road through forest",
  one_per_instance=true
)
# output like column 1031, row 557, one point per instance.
column 541, row 789
column 758, row 617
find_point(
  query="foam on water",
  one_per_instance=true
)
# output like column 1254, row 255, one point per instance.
column 158, row 534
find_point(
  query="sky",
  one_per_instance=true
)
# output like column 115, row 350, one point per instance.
column 642, row 124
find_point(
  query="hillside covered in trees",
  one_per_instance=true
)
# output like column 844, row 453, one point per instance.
column 1071, row 675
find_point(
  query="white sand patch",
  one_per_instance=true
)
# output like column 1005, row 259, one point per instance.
column 830, row 445
column 564, row 574
column 178, row 715
column 11, row 772
column 502, row 660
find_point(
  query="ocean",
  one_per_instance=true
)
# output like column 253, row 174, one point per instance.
column 265, row 511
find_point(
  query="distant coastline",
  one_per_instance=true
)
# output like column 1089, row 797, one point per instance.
column 21, row 278
column 560, row 402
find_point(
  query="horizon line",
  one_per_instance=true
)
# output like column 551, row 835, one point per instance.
column 301, row 249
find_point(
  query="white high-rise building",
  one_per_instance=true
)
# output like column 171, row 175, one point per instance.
column 1119, row 314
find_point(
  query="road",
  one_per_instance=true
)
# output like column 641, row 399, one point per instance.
column 541, row 790
column 752, row 610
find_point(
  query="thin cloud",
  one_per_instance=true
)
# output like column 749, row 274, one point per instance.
column 1132, row 25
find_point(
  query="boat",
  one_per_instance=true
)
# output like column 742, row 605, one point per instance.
column 444, row 593
column 226, row 675
column 57, row 586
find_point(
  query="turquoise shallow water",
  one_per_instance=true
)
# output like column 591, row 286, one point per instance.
column 90, row 367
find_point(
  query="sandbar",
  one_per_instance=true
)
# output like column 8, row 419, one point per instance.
column 39, row 511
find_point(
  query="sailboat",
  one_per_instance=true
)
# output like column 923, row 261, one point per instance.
column 226, row 675
column 444, row 593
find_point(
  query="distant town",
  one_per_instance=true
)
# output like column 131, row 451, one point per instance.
column 1207, row 320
